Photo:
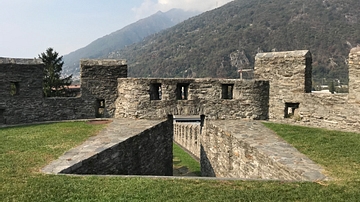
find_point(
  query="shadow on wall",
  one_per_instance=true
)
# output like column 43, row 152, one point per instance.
column 206, row 168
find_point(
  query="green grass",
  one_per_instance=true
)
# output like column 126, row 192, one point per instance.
column 24, row 150
column 183, row 159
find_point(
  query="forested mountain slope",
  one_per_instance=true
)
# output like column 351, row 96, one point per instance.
column 130, row 34
column 218, row 42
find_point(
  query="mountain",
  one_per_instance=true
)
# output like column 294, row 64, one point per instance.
column 130, row 34
column 218, row 42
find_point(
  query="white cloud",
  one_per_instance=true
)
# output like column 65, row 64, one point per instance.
column 149, row 7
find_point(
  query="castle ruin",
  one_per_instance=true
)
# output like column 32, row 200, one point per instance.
column 281, row 92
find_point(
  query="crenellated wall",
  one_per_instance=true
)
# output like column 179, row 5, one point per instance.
column 22, row 100
column 291, row 101
column 241, row 99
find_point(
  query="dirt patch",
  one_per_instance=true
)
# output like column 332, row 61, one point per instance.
column 97, row 122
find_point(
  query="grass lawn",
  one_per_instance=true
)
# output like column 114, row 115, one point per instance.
column 24, row 150
column 183, row 159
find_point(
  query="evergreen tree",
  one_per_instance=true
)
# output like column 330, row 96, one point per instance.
column 53, row 84
column 332, row 87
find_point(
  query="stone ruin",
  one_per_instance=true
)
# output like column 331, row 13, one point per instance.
column 281, row 92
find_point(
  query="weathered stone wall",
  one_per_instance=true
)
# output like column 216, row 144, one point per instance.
column 244, row 149
column 289, row 74
column 230, row 157
column 148, row 153
column 354, row 76
column 204, row 96
column 21, row 95
column 291, row 102
column 188, row 136
column 99, row 83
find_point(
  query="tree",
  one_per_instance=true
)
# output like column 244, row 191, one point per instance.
column 53, row 84
column 332, row 87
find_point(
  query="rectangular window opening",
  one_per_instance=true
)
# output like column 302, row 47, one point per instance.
column 155, row 91
column 227, row 91
column 290, row 109
column 14, row 88
column 182, row 90
column 2, row 118
column 100, row 108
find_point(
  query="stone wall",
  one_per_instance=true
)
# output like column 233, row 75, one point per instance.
column 292, row 102
column 354, row 76
column 244, row 149
column 241, row 99
column 21, row 95
column 289, row 74
column 99, row 83
column 147, row 153
column 188, row 136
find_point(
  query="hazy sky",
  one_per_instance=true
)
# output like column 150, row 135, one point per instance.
column 29, row 27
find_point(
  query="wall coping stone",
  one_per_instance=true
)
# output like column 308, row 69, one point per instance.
column 294, row 54
column 102, row 62
column 21, row 61
column 355, row 50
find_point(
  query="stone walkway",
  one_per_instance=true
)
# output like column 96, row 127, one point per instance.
column 271, row 145
column 118, row 130
column 256, row 134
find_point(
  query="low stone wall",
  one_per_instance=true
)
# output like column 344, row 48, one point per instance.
column 188, row 136
column 244, row 99
column 244, row 149
column 236, row 149
column 28, row 110
column 146, row 153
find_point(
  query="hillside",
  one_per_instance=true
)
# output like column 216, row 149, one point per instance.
column 130, row 34
column 218, row 42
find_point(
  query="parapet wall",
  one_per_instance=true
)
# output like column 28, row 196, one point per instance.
column 99, row 83
column 244, row 149
column 147, row 153
column 22, row 100
column 217, row 98
column 291, row 101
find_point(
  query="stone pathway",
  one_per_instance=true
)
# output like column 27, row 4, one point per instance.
column 256, row 134
column 116, row 131
column 270, row 144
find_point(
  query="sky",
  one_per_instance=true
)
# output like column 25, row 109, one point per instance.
column 29, row 27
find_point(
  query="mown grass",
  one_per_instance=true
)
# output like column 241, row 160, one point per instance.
column 183, row 159
column 24, row 150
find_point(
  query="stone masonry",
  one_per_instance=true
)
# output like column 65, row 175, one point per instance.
column 22, row 100
column 215, row 98
column 228, row 146
column 291, row 101
column 125, row 147
column 244, row 149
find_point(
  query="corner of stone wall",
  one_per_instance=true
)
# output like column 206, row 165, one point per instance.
column 354, row 76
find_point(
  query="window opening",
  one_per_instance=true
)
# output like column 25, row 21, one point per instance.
column 290, row 109
column 14, row 88
column 100, row 108
column 2, row 118
column 227, row 91
column 182, row 90
column 155, row 91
